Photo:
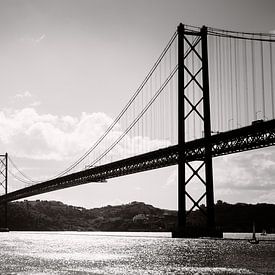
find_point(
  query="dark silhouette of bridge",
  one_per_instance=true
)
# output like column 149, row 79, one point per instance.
column 210, row 93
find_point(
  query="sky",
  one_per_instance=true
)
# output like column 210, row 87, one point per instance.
column 68, row 67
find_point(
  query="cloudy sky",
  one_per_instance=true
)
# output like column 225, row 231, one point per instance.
column 67, row 69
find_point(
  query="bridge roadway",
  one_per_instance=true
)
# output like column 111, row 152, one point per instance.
column 259, row 134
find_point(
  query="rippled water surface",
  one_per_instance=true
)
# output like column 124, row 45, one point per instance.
column 130, row 253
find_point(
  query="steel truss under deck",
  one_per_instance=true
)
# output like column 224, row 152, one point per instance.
column 238, row 140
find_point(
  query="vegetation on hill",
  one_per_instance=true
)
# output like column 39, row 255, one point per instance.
column 135, row 216
column 240, row 217
column 52, row 215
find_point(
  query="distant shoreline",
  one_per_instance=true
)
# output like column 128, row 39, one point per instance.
column 247, row 236
column 233, row 236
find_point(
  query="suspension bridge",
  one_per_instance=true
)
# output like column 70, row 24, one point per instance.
column 210, row 93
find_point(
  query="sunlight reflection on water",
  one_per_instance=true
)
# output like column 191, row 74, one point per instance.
column 129, row 253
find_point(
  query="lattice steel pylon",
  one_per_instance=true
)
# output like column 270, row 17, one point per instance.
column 194, row 78
column 4, row 185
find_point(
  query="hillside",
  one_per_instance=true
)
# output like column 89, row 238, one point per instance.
column 52, row 215
column 240, row 217
column 135, row 216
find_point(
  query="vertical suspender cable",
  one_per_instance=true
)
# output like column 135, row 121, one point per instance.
column 151, row 111
column 194, row 96
column 245, row 81
column 228, row 81
column 214, row 89
column 218, row 86
column 263, row 86
column 160, row 104
column 145, row 119
column 124, row 144
column 167, row 102
column 156, row 110
column 271, row 77
column 212, row 80
column 164, row 104
column 138, row 132
column 142, row 121
column 253, row 79
column 222, row 85
column 135, row 128
column 159, row 108
column 231, row 81
column 225, row 87
column 220, row 89
column 171, row 122
column 236, row 83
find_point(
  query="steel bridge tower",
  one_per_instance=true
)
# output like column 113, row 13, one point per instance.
column 194, row 42
column 4, row 185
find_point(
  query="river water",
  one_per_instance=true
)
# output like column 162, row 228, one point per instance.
column 130, row 253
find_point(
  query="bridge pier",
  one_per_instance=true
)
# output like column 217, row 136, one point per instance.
column 188, row 107
column 4, row 184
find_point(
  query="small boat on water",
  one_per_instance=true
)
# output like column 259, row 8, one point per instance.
column 264, row 232
column 254, row 240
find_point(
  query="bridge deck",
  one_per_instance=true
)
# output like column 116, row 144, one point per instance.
column 247, row 138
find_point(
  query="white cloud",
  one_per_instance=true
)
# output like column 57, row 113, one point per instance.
column 28, row 134
column 33, row 40
column 35, row 103
column 246, row 177
column 26, row 98
column 115, row 201
column 265, row 197
column 23, row 94
column 39, row 39
column 254, row 170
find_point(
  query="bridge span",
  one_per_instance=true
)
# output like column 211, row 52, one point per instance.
column 251, row 137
